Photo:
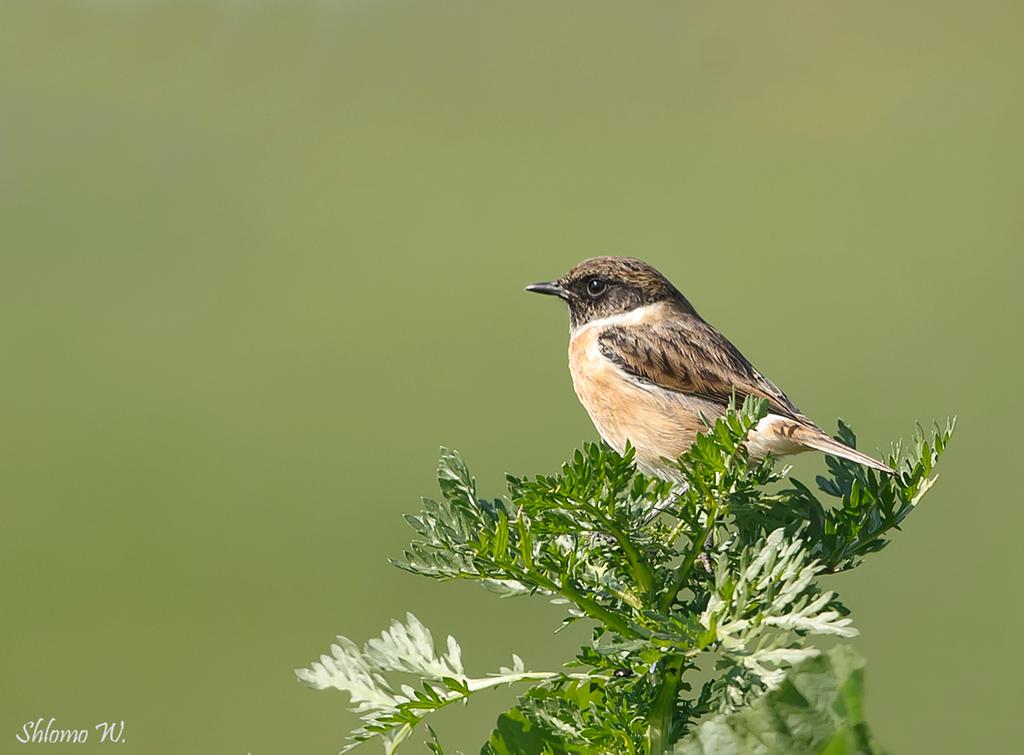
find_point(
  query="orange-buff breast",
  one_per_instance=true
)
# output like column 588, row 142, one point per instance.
column 659, row 424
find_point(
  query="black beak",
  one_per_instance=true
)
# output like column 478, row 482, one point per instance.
column 551, row 289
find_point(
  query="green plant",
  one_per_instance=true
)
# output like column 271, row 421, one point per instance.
column 720, row 571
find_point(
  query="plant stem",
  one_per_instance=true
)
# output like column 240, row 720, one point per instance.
column 641, row 572
column 683, row 572
column 591, row 608
column 659, row 729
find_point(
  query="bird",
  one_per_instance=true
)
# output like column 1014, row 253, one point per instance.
column 651, row 372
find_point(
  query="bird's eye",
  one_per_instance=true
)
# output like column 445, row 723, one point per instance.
column 596, row 287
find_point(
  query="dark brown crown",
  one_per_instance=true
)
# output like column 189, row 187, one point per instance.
column 605, row 286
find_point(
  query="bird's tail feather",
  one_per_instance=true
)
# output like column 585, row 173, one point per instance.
column 820, row 441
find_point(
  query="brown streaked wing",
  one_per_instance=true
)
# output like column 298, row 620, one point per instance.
column 686, row 355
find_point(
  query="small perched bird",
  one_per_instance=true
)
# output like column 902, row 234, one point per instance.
column 647, row 368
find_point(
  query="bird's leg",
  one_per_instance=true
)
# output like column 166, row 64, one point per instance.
column 677, row 491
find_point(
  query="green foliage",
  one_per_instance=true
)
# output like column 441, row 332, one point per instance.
column 388, row 707
column 721, row 572
column 817, row 708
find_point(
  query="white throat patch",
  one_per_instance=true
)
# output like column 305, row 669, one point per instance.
column 632, row 317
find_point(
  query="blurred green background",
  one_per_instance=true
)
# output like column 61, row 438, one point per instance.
column 258, row 260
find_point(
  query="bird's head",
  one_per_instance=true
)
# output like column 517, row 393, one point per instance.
column 606, row 286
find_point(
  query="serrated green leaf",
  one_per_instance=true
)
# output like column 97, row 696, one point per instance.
column 817, row 708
